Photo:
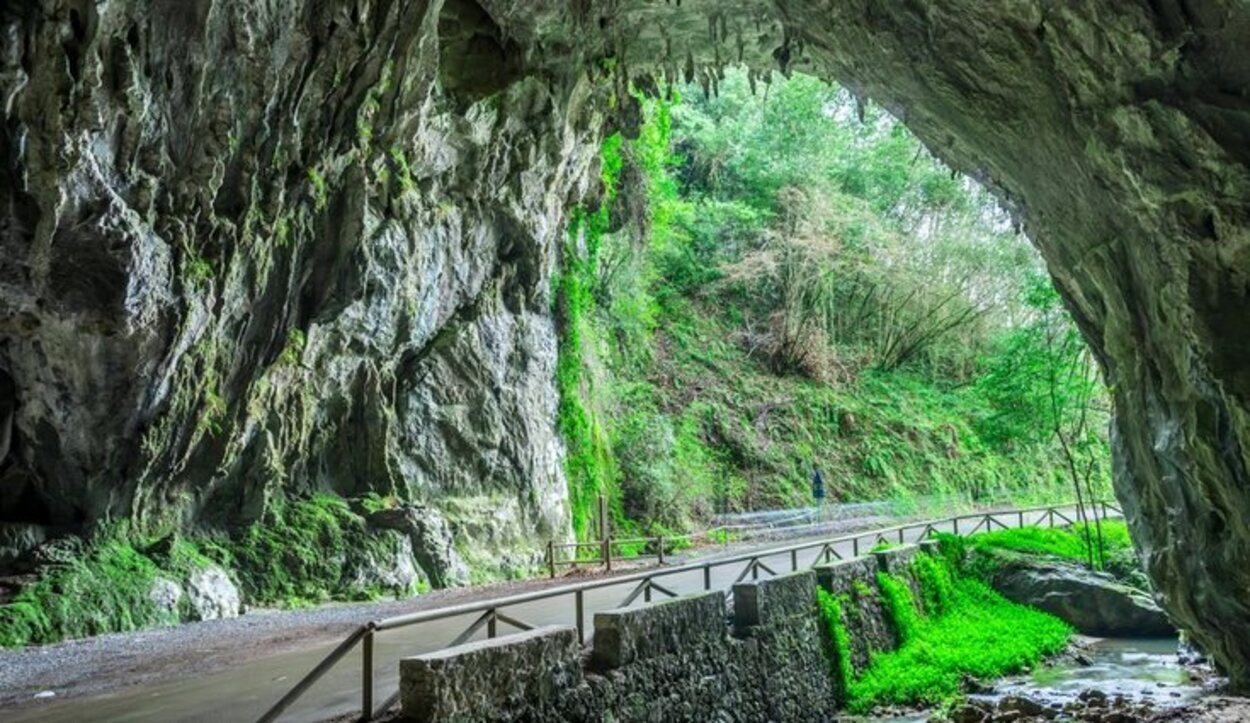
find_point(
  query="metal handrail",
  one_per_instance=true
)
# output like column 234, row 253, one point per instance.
column 489, row 609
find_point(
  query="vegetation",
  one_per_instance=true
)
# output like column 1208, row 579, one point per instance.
column 303, row 552
column 771, row 285
column 1070, row 543
column 982, row 635
column 958, row 628
column 831, row 612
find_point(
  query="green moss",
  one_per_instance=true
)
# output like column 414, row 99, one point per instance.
column 296, row 553
column 937, row 583
column 213, row 414
column 862, row 590
column 831, row 613
column 900, row 605
column 320, row 192
column 402, row 171
column 588, row 463
column 101, row 586
column 294, row 349
column 199, row 270
column 965, row 629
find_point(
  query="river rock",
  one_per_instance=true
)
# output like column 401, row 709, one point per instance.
column 1095, row 603
column 213, row 594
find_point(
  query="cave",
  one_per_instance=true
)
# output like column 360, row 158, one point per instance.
column 312, row 236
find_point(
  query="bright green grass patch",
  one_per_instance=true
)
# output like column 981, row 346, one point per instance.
column 831, row 611
column 981, row 634
column 1068, row 543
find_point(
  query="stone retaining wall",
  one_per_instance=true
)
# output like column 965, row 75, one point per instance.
column 689, row 659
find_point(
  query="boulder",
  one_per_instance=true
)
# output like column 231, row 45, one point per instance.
column 1095, row 603
column 165, row 594
column 431, row 540
column 387, row 566
column 213, row 594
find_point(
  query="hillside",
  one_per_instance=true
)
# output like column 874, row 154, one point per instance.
column 775, row 286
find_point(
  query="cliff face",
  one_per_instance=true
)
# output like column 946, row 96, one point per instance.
column 261, row 247
column 250, row 249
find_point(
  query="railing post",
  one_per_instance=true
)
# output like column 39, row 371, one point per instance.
column 366, row 676
column 900, row 536
column 659, row 542
column 1021, row 513
column 755, row 569
column 855, row 547
column 794, row 561
column 646, row 590
column 580, row 602
column 490, row 624
column 707, row 576
column 1050, row 513
column 551, row 557
column 955, row 524
column 607, row 554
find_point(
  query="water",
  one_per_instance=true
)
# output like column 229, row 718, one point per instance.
column 1140, row 670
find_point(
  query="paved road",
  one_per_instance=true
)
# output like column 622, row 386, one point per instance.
column 244, row 692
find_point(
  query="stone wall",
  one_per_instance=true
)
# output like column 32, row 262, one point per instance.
column 766, row 657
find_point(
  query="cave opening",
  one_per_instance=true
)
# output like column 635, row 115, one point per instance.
column 775, row 264
column 1113, row 131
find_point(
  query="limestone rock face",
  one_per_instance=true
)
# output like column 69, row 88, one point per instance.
column 253, row 250
column 258, row 248
column 165, row 595
column 428, row 537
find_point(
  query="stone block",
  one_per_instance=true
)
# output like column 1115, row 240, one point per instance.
column 838, row 577
column 496, row 679
column 775, row 599
column 896, row 560
column 631, row 634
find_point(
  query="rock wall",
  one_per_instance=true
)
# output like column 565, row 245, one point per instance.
column 256, row 250
column 248, row 249
column 1118, row 131
column 683, row 659
column 676, row 660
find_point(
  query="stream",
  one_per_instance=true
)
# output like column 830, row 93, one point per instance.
column 1139, row 670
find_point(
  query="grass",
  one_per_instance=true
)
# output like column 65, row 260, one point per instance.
column 1068, row 543
column 958, row 628
column 981, row 635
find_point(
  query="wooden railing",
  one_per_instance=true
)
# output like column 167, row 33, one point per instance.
column 490, row 613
